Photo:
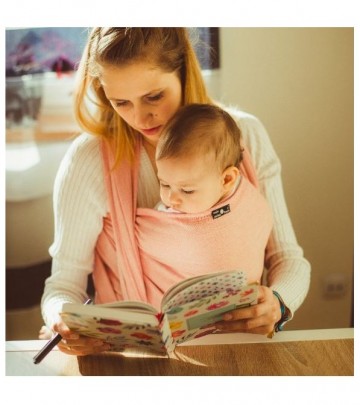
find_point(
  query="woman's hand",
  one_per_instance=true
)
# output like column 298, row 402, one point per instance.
column 260, row 318
column 73, row 343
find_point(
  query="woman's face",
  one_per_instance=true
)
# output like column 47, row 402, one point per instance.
column 143, row 95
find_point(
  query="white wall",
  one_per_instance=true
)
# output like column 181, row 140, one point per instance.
column 299, row 82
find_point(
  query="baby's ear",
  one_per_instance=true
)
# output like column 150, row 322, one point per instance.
column 229, row 176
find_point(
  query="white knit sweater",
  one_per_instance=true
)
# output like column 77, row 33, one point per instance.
column 80, row 203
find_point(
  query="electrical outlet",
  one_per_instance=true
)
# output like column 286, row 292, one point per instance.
column 335, row 285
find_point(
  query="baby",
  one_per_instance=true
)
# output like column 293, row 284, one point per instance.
column 197, row 159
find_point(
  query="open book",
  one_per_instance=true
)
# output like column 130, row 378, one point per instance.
column 188, row 310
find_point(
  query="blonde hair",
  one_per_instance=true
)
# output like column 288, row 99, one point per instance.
column 167, row 48
column 201, row 129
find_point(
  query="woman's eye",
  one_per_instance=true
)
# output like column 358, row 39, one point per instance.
column 164, row 185
column 121, row 103
column 157, row 97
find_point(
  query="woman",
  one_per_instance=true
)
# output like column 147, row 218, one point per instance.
column 131, row 81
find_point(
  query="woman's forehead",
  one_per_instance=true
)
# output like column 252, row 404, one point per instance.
column 133, row 80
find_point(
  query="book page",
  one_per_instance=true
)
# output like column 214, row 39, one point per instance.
column 123, row 329
column 137, row 306
column 202, row 286
column 192, row 312
column 196, row 319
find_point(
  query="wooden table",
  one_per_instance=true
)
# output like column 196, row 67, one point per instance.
column 321, row 352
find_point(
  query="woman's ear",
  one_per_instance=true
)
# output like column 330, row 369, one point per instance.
column 229, row 177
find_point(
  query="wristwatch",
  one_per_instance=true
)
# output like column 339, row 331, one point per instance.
column 285, row 313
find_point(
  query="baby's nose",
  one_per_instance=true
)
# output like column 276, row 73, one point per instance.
column 174, row 197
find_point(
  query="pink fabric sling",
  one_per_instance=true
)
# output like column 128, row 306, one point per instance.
column 142, row 252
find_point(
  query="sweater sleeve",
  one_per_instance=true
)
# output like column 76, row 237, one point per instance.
column 80, row 204
column 288, row 272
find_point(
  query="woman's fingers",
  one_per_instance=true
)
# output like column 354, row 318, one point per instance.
column 84, row 350
column 252, row 325
column 259, row 318
column 65, row 332
column 45, row 333
column 75, row 344
column 83, row 346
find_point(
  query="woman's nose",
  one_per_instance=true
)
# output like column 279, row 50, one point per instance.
column 142, row 117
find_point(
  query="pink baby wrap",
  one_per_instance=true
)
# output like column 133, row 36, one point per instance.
column 148, row 251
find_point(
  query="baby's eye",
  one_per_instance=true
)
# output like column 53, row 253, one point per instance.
column 188, row 191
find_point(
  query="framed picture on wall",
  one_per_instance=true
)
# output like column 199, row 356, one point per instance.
column 40, row 69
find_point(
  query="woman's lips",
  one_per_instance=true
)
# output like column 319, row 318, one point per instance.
column 151, row 131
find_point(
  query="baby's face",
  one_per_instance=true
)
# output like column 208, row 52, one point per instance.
column 191, row 184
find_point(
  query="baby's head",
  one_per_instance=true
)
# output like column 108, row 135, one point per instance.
column 197, row 158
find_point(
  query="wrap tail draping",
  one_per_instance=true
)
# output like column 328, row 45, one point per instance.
column 117, row 268
column 142, row 252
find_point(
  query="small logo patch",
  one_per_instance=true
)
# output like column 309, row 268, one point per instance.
column 219, row 212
